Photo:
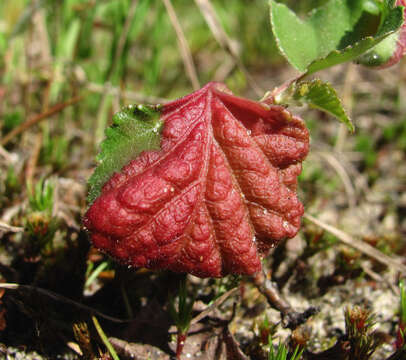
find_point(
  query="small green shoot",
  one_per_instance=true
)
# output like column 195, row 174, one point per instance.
column 95, row 273
column 55, row 151
column 12, row 183
column 41, row 196
column 265, row 330
column 402, row 288
column 363, row 341
column 40, row 223
column 400, row 338
column 181, row 315
column 105, row 339
column 282, row 352
column 318, row 95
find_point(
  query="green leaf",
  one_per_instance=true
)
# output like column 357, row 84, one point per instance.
column 317, row 94
column 339, row 31
column 136, row 128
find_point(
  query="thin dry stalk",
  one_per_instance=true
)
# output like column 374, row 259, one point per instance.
column 36, row 119
column 183, row 45
column 6, row 155
column 225, row 42
column 213, row 306
column 342, row 173
column 359, row 245
column 6, row 228
column 33, row 159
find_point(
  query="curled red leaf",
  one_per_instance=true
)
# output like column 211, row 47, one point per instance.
column 218, row 194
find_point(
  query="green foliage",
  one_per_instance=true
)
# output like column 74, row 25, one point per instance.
column 266, row 330
column 12, row 120
column 382, row 52
column 402, row 308
column 55, row 151
column 181, row 312
column 135, row 129
column 282, row 352
column 358, row 325
column 92, row 274
column 105, row 339
column 319, row 95
column 11, row 182
column 41, row 196
column 395, row 133
column 365, row 145
column 334, row 33
column 39, row 221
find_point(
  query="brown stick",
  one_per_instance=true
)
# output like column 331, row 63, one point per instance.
column 291, row 318
column 359, row 245
column 36, row 119
column 4, row 227
column 33, row 159
column 213, row 306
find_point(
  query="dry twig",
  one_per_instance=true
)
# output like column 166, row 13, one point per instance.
column 4, row 227
column 342, row 173
column 183, row 45
column 216, row 303
column 359, row 245
column 36, row 119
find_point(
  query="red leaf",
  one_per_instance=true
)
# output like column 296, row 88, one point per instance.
column 219, row 193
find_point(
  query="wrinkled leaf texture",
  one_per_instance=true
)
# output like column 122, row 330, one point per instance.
column 219, row 193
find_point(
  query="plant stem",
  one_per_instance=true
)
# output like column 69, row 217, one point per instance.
column 104, row 339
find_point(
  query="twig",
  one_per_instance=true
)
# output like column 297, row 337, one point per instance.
column 366, row 268
column 232, row 346
column 36, row 119
column 57, row 297
column 225, row 42
column 127, row 94
column 214, row 305
column 6, row 155
column 4, row 227
column 183, row 45
column 359, row 245
column 291, row 318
